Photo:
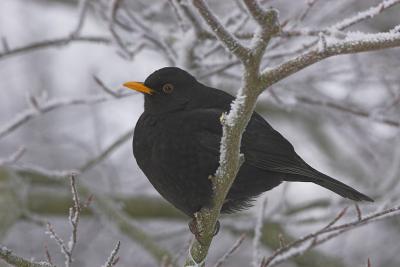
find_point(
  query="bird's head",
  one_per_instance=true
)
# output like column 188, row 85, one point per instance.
column 167, row 89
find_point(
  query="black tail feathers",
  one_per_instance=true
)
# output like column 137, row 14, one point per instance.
column 331, row 184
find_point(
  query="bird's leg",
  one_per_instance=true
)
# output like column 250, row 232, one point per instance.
column 195, row 231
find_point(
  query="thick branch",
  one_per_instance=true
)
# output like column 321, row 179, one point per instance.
column 367, row 42
column 223, row 35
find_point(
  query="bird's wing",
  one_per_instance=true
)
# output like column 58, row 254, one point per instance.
column 265, row 148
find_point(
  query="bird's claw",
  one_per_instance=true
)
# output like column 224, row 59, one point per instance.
column 197, row 233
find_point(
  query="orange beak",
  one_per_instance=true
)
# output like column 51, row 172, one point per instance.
column 140, row 87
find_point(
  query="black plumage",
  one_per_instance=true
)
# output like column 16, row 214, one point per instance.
column 176, row 144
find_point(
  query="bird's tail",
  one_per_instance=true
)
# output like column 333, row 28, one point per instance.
column 331, row 184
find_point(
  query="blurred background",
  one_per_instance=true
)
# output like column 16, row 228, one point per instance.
column 62, row 108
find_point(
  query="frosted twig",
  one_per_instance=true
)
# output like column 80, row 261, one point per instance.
column 23, row 117
column 370, row 42
column 234, row 247
column 310, row 4
column 13, row 157
column 61, row 244
column 223, row 35
column 56, row 42
column 336, row 28
column 106, row 152
column 178, row 14
column 26, row 167
column 74, row 215
column 147, row 33
column 113, row 259
column 105, row 88
column 336, row 219
column 258, row 234
column 48, row 256
column 346, row 109
column 256, row 11
column 14, row 260
column 114, row 5
column 219, row 69
column 363, row 15
column 297, row 247
column 82, row 11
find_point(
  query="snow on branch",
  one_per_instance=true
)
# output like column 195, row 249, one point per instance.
column 253, row 83
column 353, row 43
column 325, row 234
column 8, row 256
column 221, row 33
column 113, row 259
column 363, row 15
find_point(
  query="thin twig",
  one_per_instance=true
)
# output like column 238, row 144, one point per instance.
column 106, row 152
column 369, row 42
column 56, row 42
column 359, row 214
column 14, row 157
column 64, row 250
column 364, row 15
column 347, row 109
column 48, row 256
column 74, row 214
column 9, row 257
column 114, row 5
column 229, row 253
column 112, row 259
column 105, row 88
column 292, row 249
column 223, row 35
column 23, row 117
column 258, row 234
column 82, row 12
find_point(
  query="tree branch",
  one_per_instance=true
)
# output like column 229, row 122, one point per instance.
column 352, row 44
column 57, row 42
column 14, row 260
column 24, row 116
column 300, row 246
column 221, row 33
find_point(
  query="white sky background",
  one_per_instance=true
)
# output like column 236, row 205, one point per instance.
column 82, row 132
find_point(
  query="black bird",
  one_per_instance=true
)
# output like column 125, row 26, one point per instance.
column 176, row 144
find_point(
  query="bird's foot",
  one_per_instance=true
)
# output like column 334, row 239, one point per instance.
column 216, row 229
column 197, row 233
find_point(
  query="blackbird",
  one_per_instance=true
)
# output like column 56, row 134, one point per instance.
column 176, row 144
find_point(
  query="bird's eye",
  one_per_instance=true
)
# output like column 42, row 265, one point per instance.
column 168, row 88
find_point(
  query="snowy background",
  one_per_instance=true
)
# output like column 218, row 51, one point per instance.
column 359, row 143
